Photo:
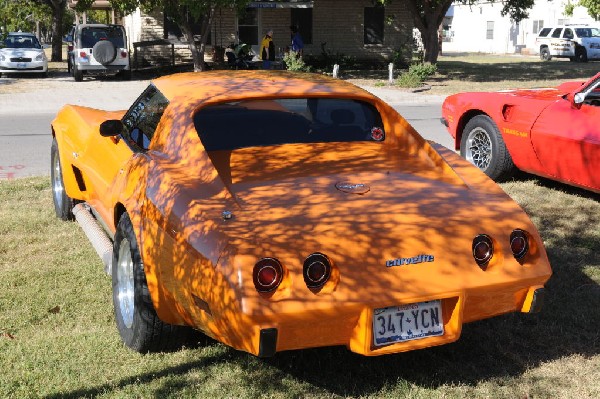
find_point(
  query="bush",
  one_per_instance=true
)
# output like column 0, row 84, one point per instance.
column 416, row 74
column 295, row 63
column 423, row 70
column 409, row 80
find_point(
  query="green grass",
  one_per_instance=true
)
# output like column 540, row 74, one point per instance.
column 58, row 339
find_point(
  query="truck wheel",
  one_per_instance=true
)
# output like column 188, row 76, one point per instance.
column 137, row 321
column 77, row 73
column 581, row 54
column 63, row 204
column 483, row 146
column 545, row 54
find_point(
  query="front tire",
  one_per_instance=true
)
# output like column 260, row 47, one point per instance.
column 483, row 146
column 63, row 204
column 545, row 54
column 137, row 321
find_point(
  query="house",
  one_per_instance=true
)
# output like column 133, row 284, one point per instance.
column 481, row 28
column 355, row 28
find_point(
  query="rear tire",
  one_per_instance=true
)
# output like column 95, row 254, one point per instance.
column 137, row 321
column 581, row 54
column 483, row 146
column 63, row 204
column 77, row 73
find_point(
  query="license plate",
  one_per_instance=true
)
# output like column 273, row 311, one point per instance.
column 407, row 322
column 21, row 65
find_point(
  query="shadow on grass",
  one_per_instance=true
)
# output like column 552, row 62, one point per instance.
column 497, row 348
column 514, row 71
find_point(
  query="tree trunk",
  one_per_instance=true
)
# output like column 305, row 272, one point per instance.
column 186, row 28
column 58, row 12
column 428, row 16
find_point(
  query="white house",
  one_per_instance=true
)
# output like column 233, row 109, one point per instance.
column 481, row 28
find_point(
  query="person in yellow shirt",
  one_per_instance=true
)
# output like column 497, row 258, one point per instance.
column 267, row 49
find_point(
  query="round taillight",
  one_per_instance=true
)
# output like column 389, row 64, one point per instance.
column 123, row 54
column 483, row 249
column 267, row 274
column 519, row 243
column 82, row 54
column 316, row 270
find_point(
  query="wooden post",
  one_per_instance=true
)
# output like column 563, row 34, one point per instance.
column 391, row 73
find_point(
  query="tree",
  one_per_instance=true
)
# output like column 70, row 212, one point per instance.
column 593, row 8
column 429, row 14
column 58, row 8
column 184, row 13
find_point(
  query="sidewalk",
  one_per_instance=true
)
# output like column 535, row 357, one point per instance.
column 47, row 96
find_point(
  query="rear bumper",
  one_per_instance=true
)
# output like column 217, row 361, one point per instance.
column 352, row 325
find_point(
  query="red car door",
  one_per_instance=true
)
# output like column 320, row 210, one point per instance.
column 567, row 142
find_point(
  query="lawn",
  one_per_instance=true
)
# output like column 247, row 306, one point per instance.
column 58, row 339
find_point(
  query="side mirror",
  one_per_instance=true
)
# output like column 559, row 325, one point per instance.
column 111, row 127
column 578, row 98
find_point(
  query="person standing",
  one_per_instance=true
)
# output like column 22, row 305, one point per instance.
column 297, row 43
column 267, row 50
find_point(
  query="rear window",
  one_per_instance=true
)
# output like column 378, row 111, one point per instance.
column 92, row 35
column 544, row 32
column 254, row 123
column 22, row 41
column 587, row 32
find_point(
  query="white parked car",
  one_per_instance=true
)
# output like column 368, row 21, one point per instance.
column 22, row 53
column 575, row 42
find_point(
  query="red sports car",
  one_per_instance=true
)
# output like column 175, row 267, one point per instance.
column 553, row 133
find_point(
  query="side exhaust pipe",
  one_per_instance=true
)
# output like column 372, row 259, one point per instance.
column 97, row 236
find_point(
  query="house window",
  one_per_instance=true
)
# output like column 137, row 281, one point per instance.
column 562, row 22
column 171, row 30
column 302, row 18
column 248, row 26
column 489, row 34
column 373, row 24
column 537, row 26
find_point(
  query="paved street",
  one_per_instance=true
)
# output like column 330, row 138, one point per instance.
column 25, row 116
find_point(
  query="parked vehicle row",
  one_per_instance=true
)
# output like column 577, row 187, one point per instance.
column 93, row 50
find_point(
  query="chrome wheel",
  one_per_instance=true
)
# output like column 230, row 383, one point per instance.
column 125, row 283
column 58, row 190
column 479, row 148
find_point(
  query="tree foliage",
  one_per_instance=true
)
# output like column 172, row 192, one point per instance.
column 592, row 6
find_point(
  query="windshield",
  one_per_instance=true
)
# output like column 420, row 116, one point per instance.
column 22, row 41
column 253, row 123
column 587, row 32
column 92, row 35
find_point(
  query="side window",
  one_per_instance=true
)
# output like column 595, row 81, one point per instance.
column 568, row 34
column 544, row 32
column 557, row 32
column 142, row 118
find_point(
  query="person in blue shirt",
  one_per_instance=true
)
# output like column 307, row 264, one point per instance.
column 297, row 43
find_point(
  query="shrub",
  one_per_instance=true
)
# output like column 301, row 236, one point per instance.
column 295, row 63
column 416, row 74
column 423, row 70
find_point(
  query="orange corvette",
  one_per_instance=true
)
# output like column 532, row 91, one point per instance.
column 276, row 211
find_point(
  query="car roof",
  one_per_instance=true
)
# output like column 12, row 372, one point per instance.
column 20, row 34
column 238, row 85
column 81, row 26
